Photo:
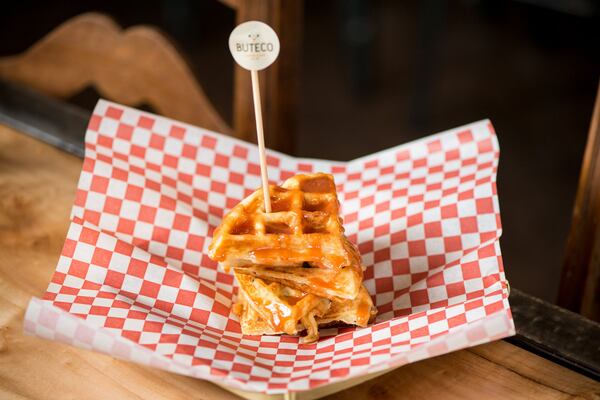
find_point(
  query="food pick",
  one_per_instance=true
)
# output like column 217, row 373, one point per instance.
column 254, row 45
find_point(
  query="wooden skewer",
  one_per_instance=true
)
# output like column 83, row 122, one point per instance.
column 261, row 140
column 255, row 54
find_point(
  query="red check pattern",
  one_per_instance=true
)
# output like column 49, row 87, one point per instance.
column 134, row 280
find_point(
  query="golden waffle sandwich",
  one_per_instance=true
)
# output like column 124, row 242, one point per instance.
column 303, row 226
column 342, row 283
column 255, row 320
column 281, row 307
column 295, row 268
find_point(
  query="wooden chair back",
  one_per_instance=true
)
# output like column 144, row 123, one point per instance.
column 140, row 65
column 580, row 281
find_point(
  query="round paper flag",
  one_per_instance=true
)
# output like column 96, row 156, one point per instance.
column 254, row 45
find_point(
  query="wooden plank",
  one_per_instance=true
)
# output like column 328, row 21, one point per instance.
column 53, row 121
column 555, row 333
column 580, row 282
column 497, row 370
column 37, row 187
column 278, row 83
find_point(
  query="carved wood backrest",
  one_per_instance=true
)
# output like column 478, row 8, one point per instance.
column 139, row 65
column 580, row 281
column 133, row 66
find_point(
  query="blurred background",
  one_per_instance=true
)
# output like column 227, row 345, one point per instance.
column 374, row 74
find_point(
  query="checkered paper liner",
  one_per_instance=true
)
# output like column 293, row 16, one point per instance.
column 134, row 279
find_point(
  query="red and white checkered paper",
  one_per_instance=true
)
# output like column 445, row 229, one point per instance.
column 134, row 279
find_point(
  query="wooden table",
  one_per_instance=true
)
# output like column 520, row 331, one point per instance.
column 37, row 188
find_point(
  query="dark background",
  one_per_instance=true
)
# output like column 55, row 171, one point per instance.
column 379, row 73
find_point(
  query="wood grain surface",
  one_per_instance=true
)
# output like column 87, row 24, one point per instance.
column 127, row 66
column 580, row 280
column 279, row 83
column 37, row 188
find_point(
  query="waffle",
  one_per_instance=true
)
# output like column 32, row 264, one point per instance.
column 359, row 311
column 295, row 268
column 251, row 322
column 344, row 283
column 281, row 307
column 304, row 226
